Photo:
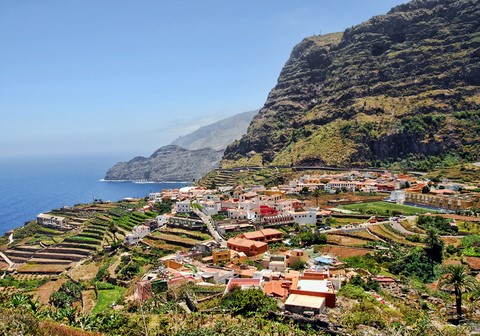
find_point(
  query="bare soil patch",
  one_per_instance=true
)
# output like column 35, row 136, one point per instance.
column 89, row 300
column 84, row 272
column 344, row 251
column 43, row 268
column 344, row 240
column 43, row 292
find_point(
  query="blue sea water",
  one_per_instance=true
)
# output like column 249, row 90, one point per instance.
column 31, row 186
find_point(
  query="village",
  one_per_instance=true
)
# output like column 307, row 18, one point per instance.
column 298, row 243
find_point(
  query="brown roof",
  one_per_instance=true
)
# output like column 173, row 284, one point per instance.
column 268, row 232
column 277, row 288
column 253, row 235
column 245, row 242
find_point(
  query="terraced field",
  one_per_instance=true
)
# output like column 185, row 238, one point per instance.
column 387, row 234
column 345, row 240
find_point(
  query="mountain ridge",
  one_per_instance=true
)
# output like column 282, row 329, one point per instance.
column 176, row 163
column 403, row 86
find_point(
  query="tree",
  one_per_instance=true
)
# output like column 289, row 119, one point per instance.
column 316, row 193
column 434, row 245
column 248, row 302
column 425, row 189
column 456, row 277
column 299, row 265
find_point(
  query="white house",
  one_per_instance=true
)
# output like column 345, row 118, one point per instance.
column 304, row 217
column 183, row 207
column 137, row 234
column 57, row 222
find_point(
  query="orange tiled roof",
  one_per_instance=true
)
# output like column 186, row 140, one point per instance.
column 253, row 235
column 277, row 288
column 245, row 242
column 268, row 232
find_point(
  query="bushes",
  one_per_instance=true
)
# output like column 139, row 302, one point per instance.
column 248, row 302
column 441, row 224
column 68, row 293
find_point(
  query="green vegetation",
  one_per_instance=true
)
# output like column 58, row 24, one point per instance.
column 441, row 224
column 27, row 285
column 384, row 208
column 68, row 293
column 108, row 296
column 248, row 302
column 457, row 278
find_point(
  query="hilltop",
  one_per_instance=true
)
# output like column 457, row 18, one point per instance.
column 187, row 158
column 401, row 87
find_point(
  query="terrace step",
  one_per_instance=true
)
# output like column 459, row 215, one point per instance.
column 49, row 261
column 18, row 260
column 27, row 248
column 61, row 256
column 21, row 254
column 77, row 245
column 68, row 250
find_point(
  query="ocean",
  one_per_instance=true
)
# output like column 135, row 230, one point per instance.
column 31, row 186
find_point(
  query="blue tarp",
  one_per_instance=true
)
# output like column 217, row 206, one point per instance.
column 323, row 260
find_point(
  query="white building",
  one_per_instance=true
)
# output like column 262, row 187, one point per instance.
column 304, row 217
column 183, row 207
column 137, row 234
column 339, row 185
column 210, row 208
column 397, row 196
column 57, row 222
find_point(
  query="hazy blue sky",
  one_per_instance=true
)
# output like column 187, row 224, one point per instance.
column 122, row 77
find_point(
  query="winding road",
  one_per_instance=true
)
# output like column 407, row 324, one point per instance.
column 211, row 228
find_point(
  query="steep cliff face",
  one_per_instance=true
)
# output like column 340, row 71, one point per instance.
column 168, row 163
column 217, row 135
column 187, row 158
column 400, row 86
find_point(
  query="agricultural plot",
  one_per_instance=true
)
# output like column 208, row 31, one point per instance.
column 384, row 208
column 360, row 234
column 387, row 234
column 190, row 234
column 107, row 297
column 160, row 244
column 344, row 251
column 345, row 240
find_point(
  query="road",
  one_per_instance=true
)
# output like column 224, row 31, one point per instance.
column 395, row 224
column 9, row 262
column 211, row 228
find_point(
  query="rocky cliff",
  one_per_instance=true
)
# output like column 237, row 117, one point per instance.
column 187, row 158
column 168, row 163
column 401, row 86
column 217, row 135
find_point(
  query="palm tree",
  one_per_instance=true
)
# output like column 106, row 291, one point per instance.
column 316, row 193
column 456, row 277
column 434, row 244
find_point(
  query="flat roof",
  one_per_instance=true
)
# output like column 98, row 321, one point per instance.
column 319, row 286
column 308, row 301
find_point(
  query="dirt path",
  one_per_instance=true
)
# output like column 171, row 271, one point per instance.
column 89, row 300
column 44, row 291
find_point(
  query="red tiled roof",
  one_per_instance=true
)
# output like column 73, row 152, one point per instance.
column 245, row 242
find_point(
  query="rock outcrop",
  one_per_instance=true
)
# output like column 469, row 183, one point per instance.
column 168, row 163
column 188, row 158
column 400, row 87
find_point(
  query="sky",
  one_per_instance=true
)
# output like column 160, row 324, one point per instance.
column 121, row 78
